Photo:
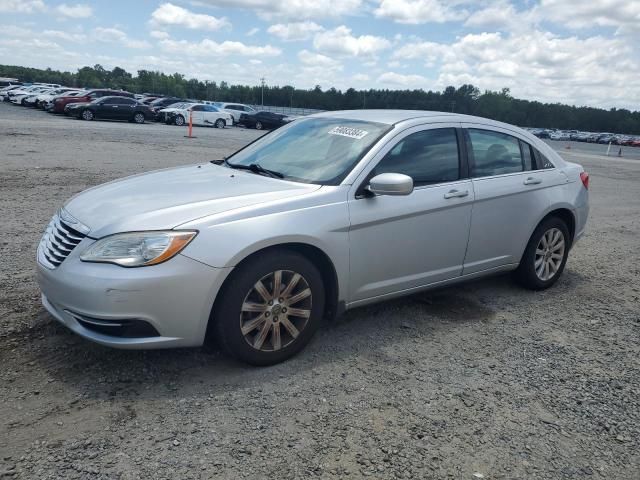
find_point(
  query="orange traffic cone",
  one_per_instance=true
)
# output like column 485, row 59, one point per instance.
column 190, row 125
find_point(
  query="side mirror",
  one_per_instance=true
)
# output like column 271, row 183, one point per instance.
column 391, row 184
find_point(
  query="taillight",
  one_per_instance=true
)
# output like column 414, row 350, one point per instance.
column 584, row 176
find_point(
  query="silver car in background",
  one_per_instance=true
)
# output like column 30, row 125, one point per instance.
column 333, row 211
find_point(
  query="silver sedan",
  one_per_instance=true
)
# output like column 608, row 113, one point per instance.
column 330, row 212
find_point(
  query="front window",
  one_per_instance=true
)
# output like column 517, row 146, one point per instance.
column 313, row 150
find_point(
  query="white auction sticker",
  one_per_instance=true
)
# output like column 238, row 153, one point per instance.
column 348, row 132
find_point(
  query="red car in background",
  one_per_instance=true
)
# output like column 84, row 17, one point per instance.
column 60, row 102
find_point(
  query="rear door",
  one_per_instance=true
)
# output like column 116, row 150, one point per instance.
column 512, row 192
column 124, row 108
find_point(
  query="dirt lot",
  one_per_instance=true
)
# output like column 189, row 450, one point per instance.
column 485, row 380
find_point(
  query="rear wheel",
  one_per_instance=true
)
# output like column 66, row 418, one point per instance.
column 220, row 123
column 138, row 117
column 546, row 254
column 179, row 120
column 270, row 308
column 87, row 114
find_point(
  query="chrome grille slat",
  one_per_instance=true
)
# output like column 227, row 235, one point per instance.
column 58, row 241
column 61, row 228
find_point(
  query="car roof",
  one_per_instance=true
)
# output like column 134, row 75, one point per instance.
column 392, row 117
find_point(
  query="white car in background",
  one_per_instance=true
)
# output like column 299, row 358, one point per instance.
column 235, row 109
column 44, row 98
column 17, row 97
column 202, row 114
column 559, row 136
column 165, row 114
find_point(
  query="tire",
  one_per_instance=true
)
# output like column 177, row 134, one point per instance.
column 220, row 123
column 259, row 126
column 179, row 120
column 87, row 115
column 261, row 345
column 138, row 117
column 546, row 254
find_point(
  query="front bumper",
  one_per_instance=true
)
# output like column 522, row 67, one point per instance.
column 175, row 298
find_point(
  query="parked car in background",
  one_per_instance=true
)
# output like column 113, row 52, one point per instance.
column 202, row 115
column 112, row 108
column 42, row 99
column 559, row 135
column 89, row 95
column 264, row 120
column 235, row 109
column 331, row 212
column 18, row 97
column 166, row 114
column 164, row 102
column 49, row 104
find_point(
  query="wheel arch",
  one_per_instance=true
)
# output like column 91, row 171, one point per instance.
column 314, row 254
column 566, row 215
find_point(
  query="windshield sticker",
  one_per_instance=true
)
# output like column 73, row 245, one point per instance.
column 349, row 132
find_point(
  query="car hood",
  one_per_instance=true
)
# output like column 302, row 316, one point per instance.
column 167, row 198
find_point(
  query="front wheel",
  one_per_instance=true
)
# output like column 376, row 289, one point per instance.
column 220, row 123
column 546, row 254
column 87, row 115
column 138, row 117
column 270, row 308
column 259, row 126
column 179, row 120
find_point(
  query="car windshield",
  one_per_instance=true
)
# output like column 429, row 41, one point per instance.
column 312, row 150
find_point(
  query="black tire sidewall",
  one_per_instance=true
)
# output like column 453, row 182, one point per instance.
column 526, row 273
column 227, row 311
column 259, row 126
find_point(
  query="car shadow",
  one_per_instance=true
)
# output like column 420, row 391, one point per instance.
column 93, row 371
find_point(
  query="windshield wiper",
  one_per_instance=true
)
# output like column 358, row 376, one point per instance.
column 255, row 168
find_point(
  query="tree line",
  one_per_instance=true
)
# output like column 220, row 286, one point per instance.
column 465, row 99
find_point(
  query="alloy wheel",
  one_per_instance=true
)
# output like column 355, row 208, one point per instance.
column 179, row 120
column 549, row 254
column 276, row 310
column 87, row 115
column 138, row 118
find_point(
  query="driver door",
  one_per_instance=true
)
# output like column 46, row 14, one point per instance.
column 399, row 243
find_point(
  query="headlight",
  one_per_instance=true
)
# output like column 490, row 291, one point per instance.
column 138, row 249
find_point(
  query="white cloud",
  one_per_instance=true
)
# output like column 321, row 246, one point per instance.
column 293, row 9
column 624, row 15
column 210, row 48
column 500, row 15
column 294, row 31
column 74, row 11
column 317, row 60
column 170, row 14
column 159, row 34
column 67, row 36
column 253, row 31
column 419, row 11
column 537, row 65
column 400, row 80
column 113, row 35
column 22, row 6
column 340, row 41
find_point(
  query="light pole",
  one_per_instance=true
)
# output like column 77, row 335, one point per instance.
column 262, row 95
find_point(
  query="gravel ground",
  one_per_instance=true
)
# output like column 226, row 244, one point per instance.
column 484, row 380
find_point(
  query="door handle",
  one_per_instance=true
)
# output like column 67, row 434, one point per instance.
column 532, row 181
column 456, row 193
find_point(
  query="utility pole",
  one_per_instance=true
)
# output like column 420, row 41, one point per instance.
column 262, row 95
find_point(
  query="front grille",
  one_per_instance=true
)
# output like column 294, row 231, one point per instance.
column 58, row 241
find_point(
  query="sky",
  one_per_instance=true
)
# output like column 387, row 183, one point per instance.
column 580, row 52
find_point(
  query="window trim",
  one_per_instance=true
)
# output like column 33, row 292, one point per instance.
column 463, row 164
